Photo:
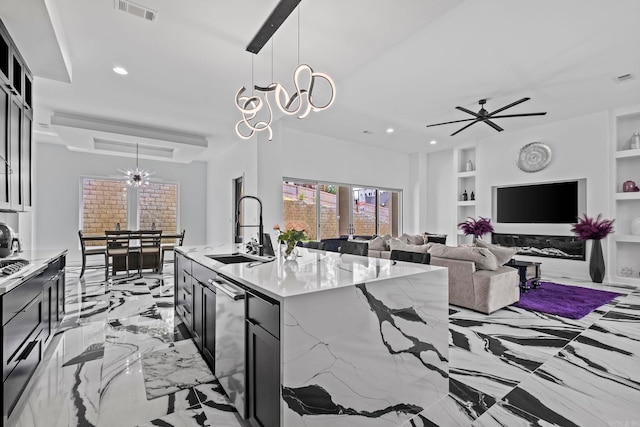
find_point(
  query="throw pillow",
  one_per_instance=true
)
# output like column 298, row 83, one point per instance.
column 482, row 257
column 502, row 253
column 398, row 244
column 435, row 238
column 412, row 240
column 377, row 244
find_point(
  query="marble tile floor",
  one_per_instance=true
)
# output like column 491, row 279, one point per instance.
column 521, row 368
column 92, row 373
column 511, row 368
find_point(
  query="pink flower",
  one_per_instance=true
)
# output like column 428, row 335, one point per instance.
column 594, row 229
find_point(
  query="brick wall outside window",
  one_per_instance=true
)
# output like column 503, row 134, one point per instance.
column 104, row 205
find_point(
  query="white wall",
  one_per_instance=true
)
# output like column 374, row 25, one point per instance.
column 57, row 181
column 299, row 155
column 441, row 211
column 580, row 150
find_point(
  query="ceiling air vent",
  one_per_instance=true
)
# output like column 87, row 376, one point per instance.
column 135, row 9
column 624, row 78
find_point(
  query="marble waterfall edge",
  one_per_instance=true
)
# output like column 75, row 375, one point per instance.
column 374, row 354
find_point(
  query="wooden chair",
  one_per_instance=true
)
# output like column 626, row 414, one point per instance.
column 118, row 246
column 150, row 248
column 86, row 251
column 169, row 247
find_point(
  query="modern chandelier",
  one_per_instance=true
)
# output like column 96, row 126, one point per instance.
column 138, row 177
column 300, row 103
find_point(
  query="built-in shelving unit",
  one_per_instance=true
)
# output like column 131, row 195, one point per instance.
column 465, row 177
column 624, row 246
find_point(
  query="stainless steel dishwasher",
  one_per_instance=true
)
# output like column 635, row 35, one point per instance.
column 230, row 341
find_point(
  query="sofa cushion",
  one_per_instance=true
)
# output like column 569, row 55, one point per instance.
column 482, row 257
column 378, row 244
column 398, row 244
column 502, row 253
column 412, row 239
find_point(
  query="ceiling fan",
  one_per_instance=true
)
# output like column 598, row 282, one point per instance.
column 486, row 117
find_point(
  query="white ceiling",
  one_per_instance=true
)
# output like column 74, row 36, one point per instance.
column 401, row 64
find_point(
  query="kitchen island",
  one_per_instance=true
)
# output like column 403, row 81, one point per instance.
column 347, row 340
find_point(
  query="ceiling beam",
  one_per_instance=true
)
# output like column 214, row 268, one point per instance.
column 281, row 12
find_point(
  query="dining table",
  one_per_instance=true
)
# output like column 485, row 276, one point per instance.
column 100, row 240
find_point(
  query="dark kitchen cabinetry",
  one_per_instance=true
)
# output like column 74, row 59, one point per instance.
column 16, row 118
column 183, row 289
column 209, row 320
column 263, row 361
column 31, row 312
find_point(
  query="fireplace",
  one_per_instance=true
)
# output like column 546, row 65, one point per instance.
column 565, row 247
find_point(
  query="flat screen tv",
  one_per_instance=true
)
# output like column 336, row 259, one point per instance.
column 554, row 203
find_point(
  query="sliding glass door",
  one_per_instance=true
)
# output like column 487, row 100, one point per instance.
column 330, row 210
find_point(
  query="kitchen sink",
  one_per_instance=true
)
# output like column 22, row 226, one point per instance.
column 232, row 258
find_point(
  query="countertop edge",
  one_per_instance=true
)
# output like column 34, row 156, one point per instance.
column 39, row 260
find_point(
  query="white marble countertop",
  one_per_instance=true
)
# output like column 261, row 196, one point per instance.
column 38, row 261
column 313, row 271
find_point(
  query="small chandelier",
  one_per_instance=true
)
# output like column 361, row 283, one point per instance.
column 138, row 177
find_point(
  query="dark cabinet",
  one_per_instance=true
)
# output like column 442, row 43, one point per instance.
column 197, row 328
column 263, row 376
column 31, row 312
column 209, row 321
column 16, row 119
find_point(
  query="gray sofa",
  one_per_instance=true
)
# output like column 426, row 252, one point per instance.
column 481, row 290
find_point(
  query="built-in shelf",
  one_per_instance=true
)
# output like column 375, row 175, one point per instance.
column 467, row 203
column 627, row 153
column 469, row 174
column 630, row 238
column 628, row 196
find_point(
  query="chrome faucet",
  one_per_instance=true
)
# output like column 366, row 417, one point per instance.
column 238, row 237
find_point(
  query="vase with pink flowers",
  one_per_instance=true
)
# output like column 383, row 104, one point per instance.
column 594, row 229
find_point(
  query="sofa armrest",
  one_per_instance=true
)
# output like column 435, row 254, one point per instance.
column 461, row 289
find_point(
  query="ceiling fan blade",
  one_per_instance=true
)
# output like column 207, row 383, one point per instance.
column 463, row 128
column 468, row 111
column 520, row 101
column 446, row 123
column 518, row 115
column 493, row 125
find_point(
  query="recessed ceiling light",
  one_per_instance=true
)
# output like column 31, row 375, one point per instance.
column 433, row 142
column 120, row 70
column 389, row 130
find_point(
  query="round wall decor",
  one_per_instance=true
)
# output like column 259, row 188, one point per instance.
column 534, row 157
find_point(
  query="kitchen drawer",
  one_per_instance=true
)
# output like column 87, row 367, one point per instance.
column 202, row 274
column 16, row 332
column 264, row 312
column 185, row 299
column 15, row 300
column 15, row 383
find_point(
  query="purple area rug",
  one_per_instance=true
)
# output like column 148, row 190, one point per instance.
column 572, row 302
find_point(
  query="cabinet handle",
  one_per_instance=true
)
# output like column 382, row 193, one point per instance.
column 251, row 322
column 225, row 289
column 27, row 351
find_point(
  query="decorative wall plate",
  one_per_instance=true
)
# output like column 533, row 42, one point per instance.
column 534, row 157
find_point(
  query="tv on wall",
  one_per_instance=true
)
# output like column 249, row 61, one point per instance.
column 553, row 203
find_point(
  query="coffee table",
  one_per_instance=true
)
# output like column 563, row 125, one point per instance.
column 529, row 273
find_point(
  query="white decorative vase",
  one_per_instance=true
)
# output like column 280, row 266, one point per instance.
column 635, row 226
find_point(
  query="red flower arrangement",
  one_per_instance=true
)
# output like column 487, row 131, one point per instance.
column 477, row 228
column 592, row 229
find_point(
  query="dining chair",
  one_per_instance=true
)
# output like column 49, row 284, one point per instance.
column 354, row 248
column 169, row 247
column 87, row 251
column 313, row 245
column 150, row 241
column 417, row 257
column 118, row 247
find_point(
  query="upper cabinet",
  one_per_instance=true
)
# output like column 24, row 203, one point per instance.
column 16, row 117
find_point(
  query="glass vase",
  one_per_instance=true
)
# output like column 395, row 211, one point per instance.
column 289, row 249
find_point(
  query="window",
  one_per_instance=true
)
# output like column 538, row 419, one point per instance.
column 331, row 210
column 107, row 203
